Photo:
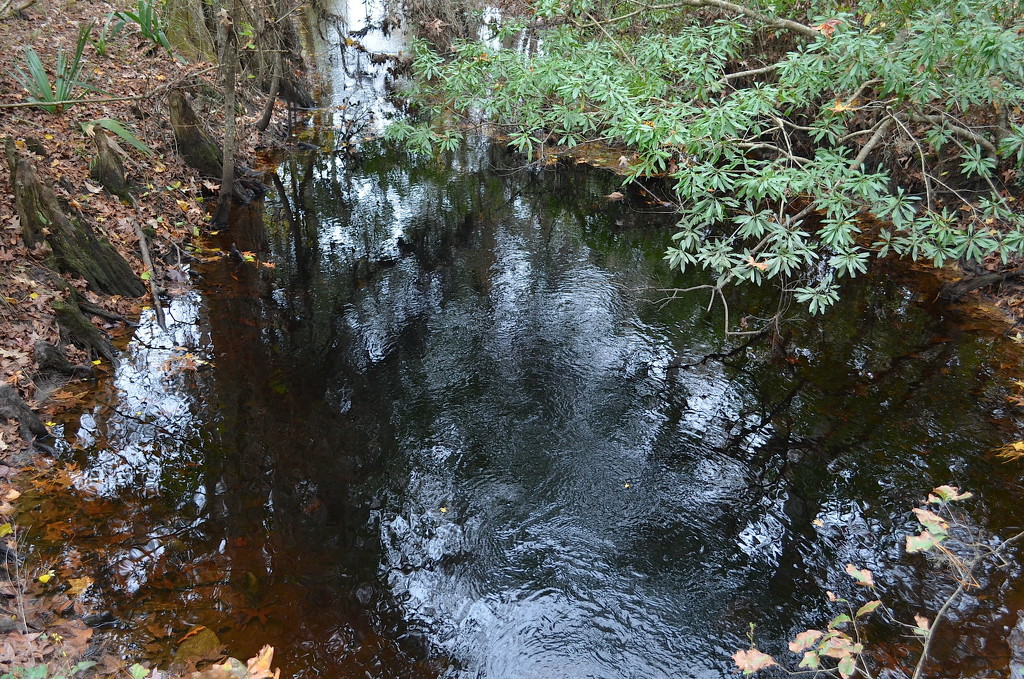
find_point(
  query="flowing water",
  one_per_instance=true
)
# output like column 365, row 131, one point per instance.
column 453, row 431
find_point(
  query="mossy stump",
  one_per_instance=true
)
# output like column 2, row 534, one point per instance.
column 195, row 144
column 107, row 169
column 74, row 247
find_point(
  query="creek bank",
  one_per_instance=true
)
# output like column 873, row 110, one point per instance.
column 93, row 232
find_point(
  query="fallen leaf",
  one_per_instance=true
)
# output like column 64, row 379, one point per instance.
column 79, row 585
column 259, row 667
column 615, row 195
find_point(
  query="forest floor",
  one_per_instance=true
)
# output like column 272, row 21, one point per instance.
column 42, row 618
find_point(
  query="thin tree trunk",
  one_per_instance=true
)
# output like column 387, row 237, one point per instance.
column 275, row 84
column 229, row 65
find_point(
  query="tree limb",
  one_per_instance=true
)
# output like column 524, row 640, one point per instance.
column 880, row 129
column 958, row 131
column 774, row 22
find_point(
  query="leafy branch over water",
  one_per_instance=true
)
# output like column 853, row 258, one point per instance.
column 948, row 539
column 782, row 138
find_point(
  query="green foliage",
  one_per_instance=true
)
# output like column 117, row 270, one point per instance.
column 767, row 167
column 68, row 76
column 108, row 32
column 151, row 24
column 118, row 129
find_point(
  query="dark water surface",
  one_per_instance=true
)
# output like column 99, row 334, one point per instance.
column 451, row 434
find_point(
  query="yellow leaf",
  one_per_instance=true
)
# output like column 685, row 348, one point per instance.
column 51, row 424
column 444, row 510
column 6, row 529
column 96, row 362
column 47, row 136
column 34, row 295
column 47, row 576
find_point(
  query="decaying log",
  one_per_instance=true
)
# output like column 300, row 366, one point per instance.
column 955, row 290
column 195, row 144
column 13, row 407
column 74, row 248
column 107, row 169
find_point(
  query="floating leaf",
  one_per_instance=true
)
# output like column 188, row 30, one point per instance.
column 804, row 640
column 259, row 667
column 847, row 666
column 867, row 608
column 752, row 660
column 861, row 575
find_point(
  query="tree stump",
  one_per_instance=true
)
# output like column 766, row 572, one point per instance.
column 195, row 144
column 76, row 328
column 13, row 407
column 107, row 169
column 74, row 247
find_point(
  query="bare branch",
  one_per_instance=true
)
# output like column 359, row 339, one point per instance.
column 958, row 131
column 880, row 129
column 745, row 74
